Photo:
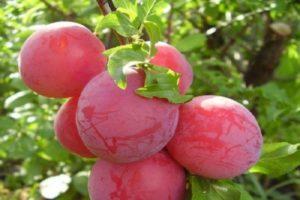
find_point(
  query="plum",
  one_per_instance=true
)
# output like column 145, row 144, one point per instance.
column 157, row 177
column 60, row 58
column 121, row 126
column 169, row 57
column 216, row 137
column 66, row 129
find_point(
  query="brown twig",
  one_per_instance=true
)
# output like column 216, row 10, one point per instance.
column 101, row 4
column 111, row 5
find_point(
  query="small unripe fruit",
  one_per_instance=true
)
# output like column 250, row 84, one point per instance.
column 121, row 126
column 216, row 138
column 169, row 57
column 66, row 129
column 60, row 58
column 155, row 178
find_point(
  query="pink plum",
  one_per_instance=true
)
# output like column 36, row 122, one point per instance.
column 66, row 129
column 121, row 126
column 155, row 178
column 216, row 137
column 169, row 57
column 60, row 58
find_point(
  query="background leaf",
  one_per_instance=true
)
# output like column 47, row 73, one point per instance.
column 278, row 159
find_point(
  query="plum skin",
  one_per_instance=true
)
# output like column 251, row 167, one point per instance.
column 121, row 126
column 66, row 129
column 169, row 57
column 60, row 58
column 216, row 138
column 157, row 177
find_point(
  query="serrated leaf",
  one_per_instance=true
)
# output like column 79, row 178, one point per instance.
column 128, row 7
column 204, row 189
column 191, row 42
column 154, row 33
column 148, row 7
column 119, row 22
column 145, row 10
column 278, row 159
column 122, row 59
column 162, row 83
column 115, row 49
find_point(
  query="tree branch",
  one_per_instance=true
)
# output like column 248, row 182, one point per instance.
column 264, row 63
column 111, row 5
column 101, row 4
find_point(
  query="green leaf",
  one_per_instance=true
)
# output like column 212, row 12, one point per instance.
column 278, row 159
column 6, row 123
column 108, row 52
column 128, row 7
column 80, row 182
column 191, row 42
column 119, row 22
column 53, row 151
column 21, row 147
column 154, row 33
column 123, row 58
column 289, row 62
column 162, row 83
column 145, row 10
column 18, row 99
column 204, row 189
column 33, row 170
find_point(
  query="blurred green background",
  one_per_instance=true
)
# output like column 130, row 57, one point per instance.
column 243, row 49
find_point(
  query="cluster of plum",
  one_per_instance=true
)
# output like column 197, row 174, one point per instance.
column 143, row 144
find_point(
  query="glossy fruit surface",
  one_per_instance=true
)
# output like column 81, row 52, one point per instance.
column 216, row 138
column 66, row 129
column 157, row 177
column 60, row 58
column 121, row 126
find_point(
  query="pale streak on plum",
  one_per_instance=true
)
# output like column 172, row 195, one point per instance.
column 216, row 137
column 59, row 59
column 120, row 126
column 66, row 129
column 157, row 177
